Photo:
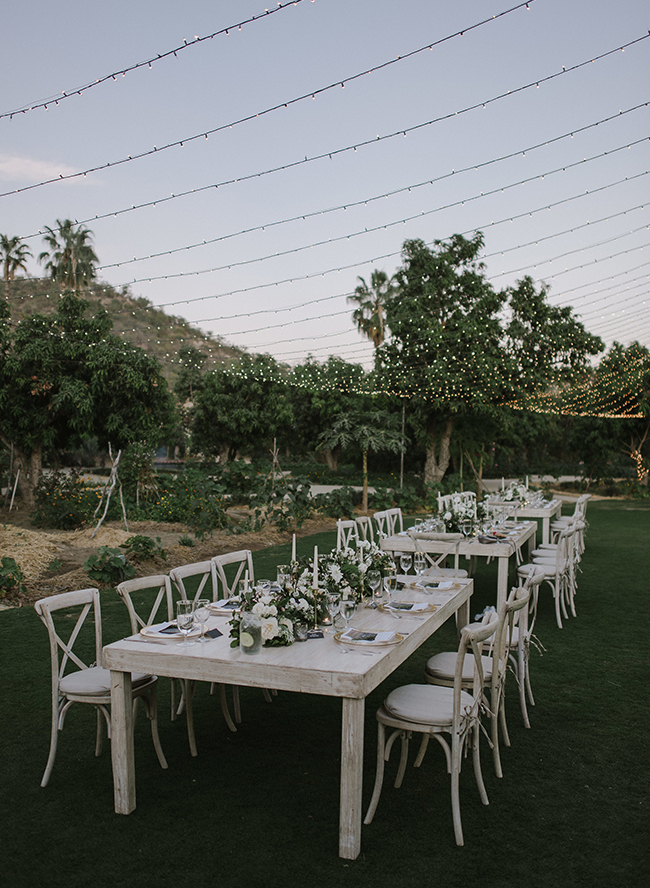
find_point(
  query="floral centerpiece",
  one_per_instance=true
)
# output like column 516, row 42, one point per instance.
column 517, row 492
column 344, row 571
column 458, row 513
column 279, row 609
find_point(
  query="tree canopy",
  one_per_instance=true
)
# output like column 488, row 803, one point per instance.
column 70, row 259
column 458, row 346
column 65, row 377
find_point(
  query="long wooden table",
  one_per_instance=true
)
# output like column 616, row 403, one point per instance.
column 546, row 512
column 313, row 667
column 502, row 551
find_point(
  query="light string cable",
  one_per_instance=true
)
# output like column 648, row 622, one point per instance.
column 312, row 94
column 383, row 226
column 148, row 63
column 342, row 207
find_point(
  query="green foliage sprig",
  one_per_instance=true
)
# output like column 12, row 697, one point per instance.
column 108, row 566
column 11, row 578
column 144, row 548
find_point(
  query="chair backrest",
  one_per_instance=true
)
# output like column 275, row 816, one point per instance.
column 86, row 601
column 347, row 534
column 526, row 618
column 193, row 581
column 364, row 527
column 162, row 608
column 389, row 521
column 243, row 559
column 453, row 542
column 515, row 605
column 472, row 638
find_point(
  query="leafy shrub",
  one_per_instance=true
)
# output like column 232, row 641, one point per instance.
column 282, row 501
column 143, row 548
column 64, row 502
column 339, row 503
column 186, row 541
column 11, row 578
column 408, row 499
column 193, row 498
column 108, row 566
column 382, row 498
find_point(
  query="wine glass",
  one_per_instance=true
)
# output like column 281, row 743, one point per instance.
column 390, row 585
column 348, row 607
column 405, row 561
column 466, row 527
column 201, row 614
column 184, row 620
column 374, row 581
column 420, row 563
column 334, row 605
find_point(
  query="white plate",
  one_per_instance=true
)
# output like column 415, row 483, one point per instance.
column 224, row 608
column 154, row 631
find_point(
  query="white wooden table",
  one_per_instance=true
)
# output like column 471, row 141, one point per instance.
column 313, row 667
column 502, row 551
column 547, row 512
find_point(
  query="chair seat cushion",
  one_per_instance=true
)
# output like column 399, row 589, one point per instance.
column 424, row 704
column 95, row 682
column 442, row 666
column 548, row 568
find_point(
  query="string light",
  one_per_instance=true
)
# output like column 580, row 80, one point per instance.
column 77, row 91
column 328, row 154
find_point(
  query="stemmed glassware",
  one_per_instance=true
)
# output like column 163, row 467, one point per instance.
column 420, row 563
column 184, row 620
column 405, row 561
column 466, row 527
column 390, row 585
column 201, row 614
column 374, row 581
column 348, row 607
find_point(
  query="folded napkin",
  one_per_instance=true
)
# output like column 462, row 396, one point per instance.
column 411, row 606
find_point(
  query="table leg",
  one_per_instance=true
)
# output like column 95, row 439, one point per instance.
column 502, row 580
column 351, row 778
column 546, row 525
column 122, row 742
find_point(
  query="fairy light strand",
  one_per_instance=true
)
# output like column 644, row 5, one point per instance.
column 179, row 143
column 148, row 63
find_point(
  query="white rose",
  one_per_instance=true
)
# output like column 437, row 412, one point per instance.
column 269, row 628
column 336, row 573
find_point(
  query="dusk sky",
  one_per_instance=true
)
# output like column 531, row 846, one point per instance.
column 509, row 128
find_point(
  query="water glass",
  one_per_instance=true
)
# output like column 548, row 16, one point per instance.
column 405, row 561
column 184, row 620
column 201, row 614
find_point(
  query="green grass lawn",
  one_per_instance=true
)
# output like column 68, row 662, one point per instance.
column 260, row 807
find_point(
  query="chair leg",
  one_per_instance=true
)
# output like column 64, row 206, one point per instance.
column 494, row 736
column 403, row 759
column 476, row 758
column 188, row 693
column 54, row 739
column 379, row 775
column 224, row 708
column 153, row 717
column 100, row 734
column 236, row 704
column 522, row 676
column 422, row 750
column 455, row 796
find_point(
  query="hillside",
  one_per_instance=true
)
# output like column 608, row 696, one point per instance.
column 136, row 320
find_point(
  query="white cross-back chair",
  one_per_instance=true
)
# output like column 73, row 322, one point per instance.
column 558, row 570
column 440, row 669
column 434, row 562
column 450, row 714
column 243, row 561
column 579, row 513
column 389, row 521
column 347, row 534
column 365, row 531
column 87, row 683
column 520, row 638
column 194, row 581
column 153, row 599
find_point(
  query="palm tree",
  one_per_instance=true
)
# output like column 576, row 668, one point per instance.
column 369, row 316
column 71, row 259
column 13, row 253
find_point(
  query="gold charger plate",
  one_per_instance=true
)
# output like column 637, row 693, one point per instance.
column 435, row 587
column 365, row 643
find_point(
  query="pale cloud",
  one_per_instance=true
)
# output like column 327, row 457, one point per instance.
column 24, row 169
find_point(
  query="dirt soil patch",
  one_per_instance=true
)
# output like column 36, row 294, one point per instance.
column 52, row 560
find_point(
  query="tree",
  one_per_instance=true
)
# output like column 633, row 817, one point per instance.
column 65, row 377
column 372, row 301
column 71, row 259
column 243, row 406
column 459, row 347
column 14, row 254
column 374, row 430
